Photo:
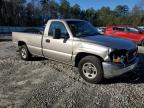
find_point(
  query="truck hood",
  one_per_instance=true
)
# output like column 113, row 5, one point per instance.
column 109, row 41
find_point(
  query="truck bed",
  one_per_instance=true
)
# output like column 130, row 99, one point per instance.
column 33, row 41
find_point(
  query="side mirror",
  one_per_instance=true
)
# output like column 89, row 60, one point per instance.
column 66, row 36
column 57, row 34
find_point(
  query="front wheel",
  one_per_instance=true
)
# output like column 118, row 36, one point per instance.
column 90, row 69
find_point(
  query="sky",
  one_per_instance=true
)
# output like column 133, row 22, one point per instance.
column 97, row 4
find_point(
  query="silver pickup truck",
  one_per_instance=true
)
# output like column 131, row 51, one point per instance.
column 77, row 43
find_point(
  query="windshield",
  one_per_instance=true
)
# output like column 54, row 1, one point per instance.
column 82, row 28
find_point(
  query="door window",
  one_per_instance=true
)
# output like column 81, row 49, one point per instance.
column 120, row 29
column 133, row 30
column 57, row 25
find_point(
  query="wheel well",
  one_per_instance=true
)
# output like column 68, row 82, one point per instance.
column 82, row 55
column 20, row 43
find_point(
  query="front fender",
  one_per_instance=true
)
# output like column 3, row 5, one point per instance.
column 101, row 52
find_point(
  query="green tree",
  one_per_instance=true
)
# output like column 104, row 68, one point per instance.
column 122, row 10
column 137, row 10
column 90, row 14
column 45, row 5
column 54, row 9
column 12, row 10
column 45, row 10
column 75, row 11
column 65, row 9
column 105, row 15
column 29, row 11
column 83, row 14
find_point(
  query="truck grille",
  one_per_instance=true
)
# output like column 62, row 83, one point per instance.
column 131, row 55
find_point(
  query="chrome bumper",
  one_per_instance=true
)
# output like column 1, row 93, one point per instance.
column 113, row 70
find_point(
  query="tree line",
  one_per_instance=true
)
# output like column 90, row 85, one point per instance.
column 37, row 12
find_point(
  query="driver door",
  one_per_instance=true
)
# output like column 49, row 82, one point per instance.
column 58, row 49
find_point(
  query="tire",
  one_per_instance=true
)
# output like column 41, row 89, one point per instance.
column 90, row 69
column 24, row 53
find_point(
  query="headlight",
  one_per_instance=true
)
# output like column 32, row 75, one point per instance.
column 118, row 56
column 118, row 59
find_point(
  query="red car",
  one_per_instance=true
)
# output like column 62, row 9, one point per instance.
column 126, row 32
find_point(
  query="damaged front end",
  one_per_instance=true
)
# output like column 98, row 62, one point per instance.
column 120, row 61
column 123, row 56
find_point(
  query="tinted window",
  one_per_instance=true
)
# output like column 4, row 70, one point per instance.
column 57, row 25
column 119, row 29
column 115, row 28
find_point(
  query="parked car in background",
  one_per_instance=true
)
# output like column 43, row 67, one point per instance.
column 127, row 32
column 141, row 28
column 101, row 29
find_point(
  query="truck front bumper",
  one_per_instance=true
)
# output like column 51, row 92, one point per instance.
column 113, row 70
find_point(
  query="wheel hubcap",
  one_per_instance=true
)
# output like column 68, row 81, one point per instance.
column 23, row 53
column 89, row 70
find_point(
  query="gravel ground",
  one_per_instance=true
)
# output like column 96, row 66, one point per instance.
column 42, row 83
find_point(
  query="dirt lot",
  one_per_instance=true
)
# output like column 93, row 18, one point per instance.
column 42, row 83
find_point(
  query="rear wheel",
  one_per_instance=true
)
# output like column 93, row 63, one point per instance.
column 24, row 53
column 90, row 69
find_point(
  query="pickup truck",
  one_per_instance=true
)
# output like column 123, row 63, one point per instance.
column 77, row 43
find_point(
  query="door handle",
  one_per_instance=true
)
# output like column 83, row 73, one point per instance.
column 47, row 41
